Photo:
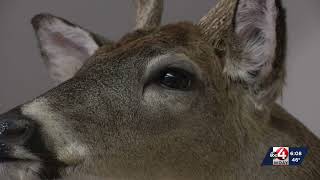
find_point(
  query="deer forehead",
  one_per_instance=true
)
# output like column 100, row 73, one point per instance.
column 180, row 39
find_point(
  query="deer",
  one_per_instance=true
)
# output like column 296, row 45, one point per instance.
column 181, row 101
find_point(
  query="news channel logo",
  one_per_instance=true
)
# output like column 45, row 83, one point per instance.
column 285, row 156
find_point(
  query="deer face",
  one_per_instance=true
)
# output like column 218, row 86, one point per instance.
column 151, row 104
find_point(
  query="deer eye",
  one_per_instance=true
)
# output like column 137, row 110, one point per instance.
column 176, row 79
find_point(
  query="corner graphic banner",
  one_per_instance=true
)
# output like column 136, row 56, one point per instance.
column 285, row 156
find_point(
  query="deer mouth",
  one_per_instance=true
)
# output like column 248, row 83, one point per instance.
column 20, row 160
column 12, row 163
column 16, row 131
column 22, row 148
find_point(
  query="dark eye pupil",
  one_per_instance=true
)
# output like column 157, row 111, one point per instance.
column 175, row 80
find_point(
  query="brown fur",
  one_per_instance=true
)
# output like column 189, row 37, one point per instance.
column 132, row 128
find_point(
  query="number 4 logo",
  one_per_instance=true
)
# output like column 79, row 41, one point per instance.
column 282, row 153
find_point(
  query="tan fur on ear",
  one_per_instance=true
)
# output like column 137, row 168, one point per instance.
column 260, row 34
column 255, row 28
column 251, row 35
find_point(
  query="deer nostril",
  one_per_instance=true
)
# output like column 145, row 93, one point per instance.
column 13, row 129
column 4, row 150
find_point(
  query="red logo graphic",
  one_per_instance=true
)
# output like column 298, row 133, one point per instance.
column 282, row 153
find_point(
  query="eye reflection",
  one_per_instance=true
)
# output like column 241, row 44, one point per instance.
column 175, row 79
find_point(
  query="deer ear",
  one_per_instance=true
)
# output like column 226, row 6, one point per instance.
column 255, row 29
column 260, row 35
column 64, row 46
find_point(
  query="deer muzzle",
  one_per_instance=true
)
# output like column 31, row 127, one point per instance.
column 15, row 128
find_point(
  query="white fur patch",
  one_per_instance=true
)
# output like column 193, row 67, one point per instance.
column 58, row 134
column 18, row 151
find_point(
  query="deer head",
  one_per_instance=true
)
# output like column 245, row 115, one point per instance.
column 180, row 101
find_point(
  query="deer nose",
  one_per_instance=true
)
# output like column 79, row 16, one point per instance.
column 15, row 128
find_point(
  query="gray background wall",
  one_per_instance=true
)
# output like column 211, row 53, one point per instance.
column 23, row 76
